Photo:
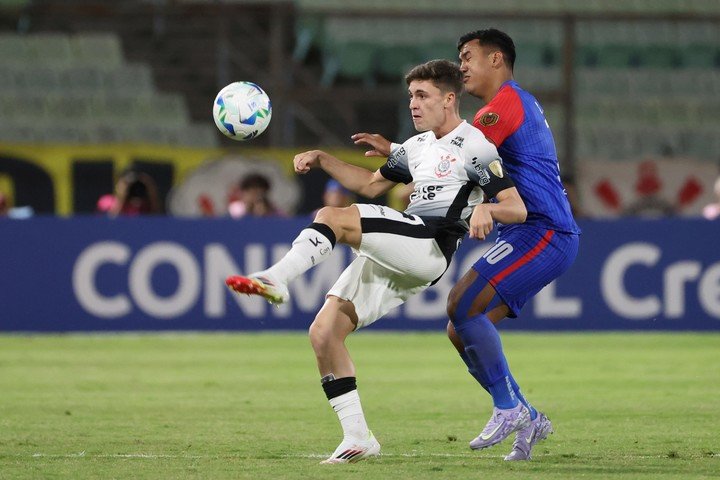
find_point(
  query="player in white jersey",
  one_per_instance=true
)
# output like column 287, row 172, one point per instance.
column 399, row 253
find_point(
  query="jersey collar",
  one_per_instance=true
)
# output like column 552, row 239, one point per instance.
column 450, row 135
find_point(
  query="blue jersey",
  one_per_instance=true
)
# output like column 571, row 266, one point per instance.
column 514, row 121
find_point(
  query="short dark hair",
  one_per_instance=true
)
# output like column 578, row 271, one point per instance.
column 492, row 37
column 254, row 180
column 444, row 74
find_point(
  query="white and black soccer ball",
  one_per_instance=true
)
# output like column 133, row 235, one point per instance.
column 242, row 110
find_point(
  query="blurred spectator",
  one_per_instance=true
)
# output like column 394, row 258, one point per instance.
column 135, row 194
column 7, row 210
column 252, row 198
column 336, row 195
column 648, row 187
column 711, row 211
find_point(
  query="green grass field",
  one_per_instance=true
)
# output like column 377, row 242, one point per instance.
column 215, row 406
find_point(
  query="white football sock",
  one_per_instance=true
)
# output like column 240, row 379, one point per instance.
column 309, row 249
column 349, row 411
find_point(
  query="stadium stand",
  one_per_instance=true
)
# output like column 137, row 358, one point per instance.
column 633, row 61
column 79, row 89
column 616, row 64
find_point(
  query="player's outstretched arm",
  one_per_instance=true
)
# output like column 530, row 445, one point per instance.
column 380, row 145
column 509, row 208
column 357, row 179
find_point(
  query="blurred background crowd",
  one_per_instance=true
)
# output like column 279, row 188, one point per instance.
column 105, row 106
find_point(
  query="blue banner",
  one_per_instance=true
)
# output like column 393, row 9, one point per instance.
column 98, row 274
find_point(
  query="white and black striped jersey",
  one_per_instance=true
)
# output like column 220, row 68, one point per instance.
column 451, row 173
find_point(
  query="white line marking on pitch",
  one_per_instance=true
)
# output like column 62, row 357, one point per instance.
column 315, row 455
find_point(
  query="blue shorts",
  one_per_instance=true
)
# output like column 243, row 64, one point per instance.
column 524, row 260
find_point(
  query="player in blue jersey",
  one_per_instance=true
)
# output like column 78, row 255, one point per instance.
column 526, row 257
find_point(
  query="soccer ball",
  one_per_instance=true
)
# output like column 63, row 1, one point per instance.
column 242, row 110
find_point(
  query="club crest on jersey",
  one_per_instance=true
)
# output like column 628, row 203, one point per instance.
column 489, row 119
column 444, row 168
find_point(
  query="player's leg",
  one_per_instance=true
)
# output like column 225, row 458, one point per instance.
column 471, row 304
column 335, row 321
column 374, row 283
column 489, row 302
column 560, row 254
column 516, row 268
column 312, row 246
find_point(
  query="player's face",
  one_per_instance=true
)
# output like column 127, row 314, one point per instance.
column 476, row 65
column 427, row 105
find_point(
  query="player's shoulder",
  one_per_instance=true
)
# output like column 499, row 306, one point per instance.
column 474, row 140
column 418, row 139
column 502, row 115
column 406, row 150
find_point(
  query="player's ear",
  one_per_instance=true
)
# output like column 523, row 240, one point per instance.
column 497, row 59
column 449, row 99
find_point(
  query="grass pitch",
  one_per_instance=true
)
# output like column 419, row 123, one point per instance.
column 624, row 405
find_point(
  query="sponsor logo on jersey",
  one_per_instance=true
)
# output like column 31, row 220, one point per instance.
column 394, row 157
column 444, row 168
column 496, row 168
column 427, row 192
column 457, row 141
column 489, row 119
column 483, row 174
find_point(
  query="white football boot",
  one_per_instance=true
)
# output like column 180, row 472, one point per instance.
column 352, row 450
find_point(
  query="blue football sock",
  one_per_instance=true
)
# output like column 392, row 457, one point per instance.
column 484, row 350
column 515, row 386
column 471, row 369
column 521, row 397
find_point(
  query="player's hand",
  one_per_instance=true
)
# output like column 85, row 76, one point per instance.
column 481, row 221
column 380, row 145
column 303, row 162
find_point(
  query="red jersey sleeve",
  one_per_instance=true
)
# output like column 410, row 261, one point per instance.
column 501, row 117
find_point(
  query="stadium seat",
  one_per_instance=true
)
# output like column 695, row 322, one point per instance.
column 113, row 108
column 538, row 78
column 393, row 62
column 13, row 49
column 352, row 60
column 617, row 56
column 129, row 78
column 21, row 133
column 659, row 56
column 586, row 56
column 49, row 49
column 701, row 143
column 535, row 55
column 437, row 50
column 37, row 78
column 71, row 108
column 700, row 56
column 81, row 79
column 97, row 49
column 195, row 135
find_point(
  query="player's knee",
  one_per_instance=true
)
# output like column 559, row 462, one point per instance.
column 450, row 330
column 319, row 335
column 327, row 215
